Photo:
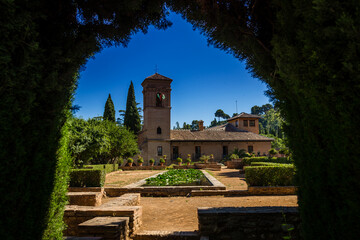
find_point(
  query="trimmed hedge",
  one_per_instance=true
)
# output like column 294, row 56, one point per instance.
column 249, row 160
column 87, row 178
column 108, row 167
column 268, row 164
column 274, row 175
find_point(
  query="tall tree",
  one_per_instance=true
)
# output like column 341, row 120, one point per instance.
column 109, row 111
column 132, row 117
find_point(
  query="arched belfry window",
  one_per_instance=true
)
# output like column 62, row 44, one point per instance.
column 160, row 97
column 158, row 130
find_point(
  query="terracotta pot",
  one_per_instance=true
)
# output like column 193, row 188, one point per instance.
column 161, row 164
column 130, row 164
column 188, row 164
column 179, row 163
column 151, row 164
column 140, row 164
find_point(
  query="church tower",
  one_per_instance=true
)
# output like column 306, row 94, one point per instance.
column 155, row 135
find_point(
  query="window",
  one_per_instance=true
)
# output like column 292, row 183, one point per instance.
column 245, row 123
column 236, row 123
column 252, row 123
column 159, row 150
column 197, row 152
column 175, row 152
column 225, row 150
column 250, row 149
column 158, row 130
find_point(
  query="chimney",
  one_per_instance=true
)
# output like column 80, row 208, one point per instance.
column 201, row 125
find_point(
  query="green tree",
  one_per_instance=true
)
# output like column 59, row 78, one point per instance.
column 132, row 118
column 186, row 126
column 109, row 111
column 195, row 125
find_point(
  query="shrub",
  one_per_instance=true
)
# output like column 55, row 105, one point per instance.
column 162, row 160
column 151, row 160
column 130, row 160
column 188, row 160
column 248, row 161
column 140, row 159
column 273, row 175
column 179, row 160
column 204, row 158
column 234, row 156
column 176, row 177
column 87, row 178
column 272, row 151
column 108, row 168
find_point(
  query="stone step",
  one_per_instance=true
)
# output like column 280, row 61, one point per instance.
column 85, row 198
column 195, row 193
column 166, row 235
column 109, row 228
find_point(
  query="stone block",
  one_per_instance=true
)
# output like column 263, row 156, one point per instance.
column 85, row 198
column 109, row 228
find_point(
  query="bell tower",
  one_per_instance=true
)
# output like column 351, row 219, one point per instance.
column 155, row 135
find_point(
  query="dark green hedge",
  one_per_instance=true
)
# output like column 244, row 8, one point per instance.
column 275, row 175
column 249, row 160
column 108, row 167
column 87, row 178
column 268, row 164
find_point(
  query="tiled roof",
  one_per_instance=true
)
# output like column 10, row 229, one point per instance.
column 244, row 115
column 226, row 132
column 157, row 76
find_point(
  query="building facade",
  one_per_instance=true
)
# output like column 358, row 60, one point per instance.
column 157, row 139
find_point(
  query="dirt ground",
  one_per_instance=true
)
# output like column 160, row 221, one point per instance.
column 123, row 178
column 231, row 178
column 180, row 213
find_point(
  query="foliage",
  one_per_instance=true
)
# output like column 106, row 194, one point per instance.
column 151, row 160
column 205, row 158
column 267, row 164
column 130, row 160
column 109, row 111
column 176, row 177
column 140, row 159
column 161, row 160
column 108, row 168
column 220, row 114
column 87, row 178
column 241, row 153
column 272, row 151
column 188, row 160
column 132, row 117
column 234, row 156
column 54, row 219
column 261, row 110
column 179, row 160
column 249, row 160
column 96, row 141
column 271, row 175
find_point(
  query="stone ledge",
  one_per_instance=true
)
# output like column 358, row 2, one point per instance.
column 106, row 227
column 166, row 235
column 128, row 199
column 276, row 190
column 85, row 198
column 86, row 189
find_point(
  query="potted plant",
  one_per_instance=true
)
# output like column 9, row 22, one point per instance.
column 179, row 160
column 211, row 157
column 234, row 156
column 188, row 161
column 130, row 162
column 283, row 151
column 162, row 161
column 205, row 158
column 151, row 161
column 140, row 160
column 164, row 157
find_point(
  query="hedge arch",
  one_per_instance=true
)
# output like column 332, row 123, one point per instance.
column 307, row 51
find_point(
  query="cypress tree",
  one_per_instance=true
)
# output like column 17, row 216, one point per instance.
column 132, row 116
column 109, row 112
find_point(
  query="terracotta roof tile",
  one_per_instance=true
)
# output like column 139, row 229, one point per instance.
column 157, row 76
column 244, row 115
column 226, row 132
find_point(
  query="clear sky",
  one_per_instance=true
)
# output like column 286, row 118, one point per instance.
column 204, row 78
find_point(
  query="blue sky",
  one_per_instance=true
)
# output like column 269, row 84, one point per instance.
column 204, row 78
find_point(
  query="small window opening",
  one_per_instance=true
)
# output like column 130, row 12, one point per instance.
column 158, row 130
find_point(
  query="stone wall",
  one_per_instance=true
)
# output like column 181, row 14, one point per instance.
column 235, row 164
column 85, row 198
column 249, row 223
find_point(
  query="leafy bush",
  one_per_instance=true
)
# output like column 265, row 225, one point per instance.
column 205, row 158
column 272, row 151
column 130, row 160
column 179, row 160
column 188, row 160
column 248, row 161
column 108, row 167
column 87, row 178
column 176, row 177
column 272, row 175
column 265, row 164
column 162, row 160
column 151, row 160
column 140, row 159
column 234, row 156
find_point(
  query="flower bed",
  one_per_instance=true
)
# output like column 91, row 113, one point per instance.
column 178, row 177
